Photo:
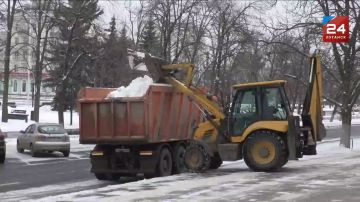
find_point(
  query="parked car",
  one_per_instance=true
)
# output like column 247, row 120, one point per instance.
column 44, row 137
column 2, row 147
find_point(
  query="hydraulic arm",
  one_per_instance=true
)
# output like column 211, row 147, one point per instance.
column 160, row 71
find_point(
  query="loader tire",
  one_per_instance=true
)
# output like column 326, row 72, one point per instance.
column 265, row 151
column 216, row 161
column 197, row 158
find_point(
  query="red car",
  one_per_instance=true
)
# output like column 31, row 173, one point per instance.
column 2, row 147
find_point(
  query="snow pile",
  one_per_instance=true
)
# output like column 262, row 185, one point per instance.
column 46, row 116
column 136, row 88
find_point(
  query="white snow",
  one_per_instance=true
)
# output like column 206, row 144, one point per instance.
column 46, row 116
column 140, row 54
column 141, row 67
column 137, row 88
column 299, row 181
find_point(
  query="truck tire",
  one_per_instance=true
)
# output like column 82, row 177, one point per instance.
column 179, row 163
column 100, row 176
column 265, row 151
column 66, row 153
column 165, row 163
column 197, row 158
column 215, row 161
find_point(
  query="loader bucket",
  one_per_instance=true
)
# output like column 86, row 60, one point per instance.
column 153, row 65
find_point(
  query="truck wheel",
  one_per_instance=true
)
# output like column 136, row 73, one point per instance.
column 179, row 166
column 215, row 161
column 265, row 151
column 197, row 158
column 18, row 148
column 164, row 167
column 100, row 176
column 66, row 153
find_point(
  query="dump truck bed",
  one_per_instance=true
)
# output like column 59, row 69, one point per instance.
column 161, row 115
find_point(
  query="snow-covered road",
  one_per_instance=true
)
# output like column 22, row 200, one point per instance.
column 332, row 175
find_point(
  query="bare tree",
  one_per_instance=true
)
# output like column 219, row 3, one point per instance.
column 39, row 16
column 172, row 18
column 345, row 55
column 10, row 13
column 228, row 32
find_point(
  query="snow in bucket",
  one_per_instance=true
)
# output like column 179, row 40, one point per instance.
column 137, row 88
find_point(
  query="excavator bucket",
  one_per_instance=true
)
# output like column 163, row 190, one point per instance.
column 153, row 65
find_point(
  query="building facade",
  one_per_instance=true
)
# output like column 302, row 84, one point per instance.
column 22, row 62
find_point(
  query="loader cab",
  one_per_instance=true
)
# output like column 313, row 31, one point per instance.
column 260, row 101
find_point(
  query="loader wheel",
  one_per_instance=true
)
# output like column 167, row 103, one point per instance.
column 164, row 167
column 265, row 151
column 197, row 158
column 216, row 161
column 179, row 163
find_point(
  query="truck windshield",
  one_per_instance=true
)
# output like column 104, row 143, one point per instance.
column 51, row 129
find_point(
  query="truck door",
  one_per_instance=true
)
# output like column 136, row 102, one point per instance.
column 244, row 111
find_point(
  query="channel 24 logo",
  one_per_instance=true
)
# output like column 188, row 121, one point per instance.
column 335, row 29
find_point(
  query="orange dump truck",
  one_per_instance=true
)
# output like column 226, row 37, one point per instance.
column 135, row 135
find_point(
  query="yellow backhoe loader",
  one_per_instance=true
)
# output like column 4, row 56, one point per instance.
column 259, row 126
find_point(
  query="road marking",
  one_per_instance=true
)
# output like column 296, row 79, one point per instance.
column 9, row 184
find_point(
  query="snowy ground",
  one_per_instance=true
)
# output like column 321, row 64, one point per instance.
column 46, row 115
column 332, row 175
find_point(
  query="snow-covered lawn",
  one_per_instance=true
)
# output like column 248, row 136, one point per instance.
column 46, row 116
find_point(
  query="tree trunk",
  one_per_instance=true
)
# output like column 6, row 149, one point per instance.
column 333, row 113
column 71, row 116
column 10, row 20
column 61, row 111
column 37, row 100
column 61, row 103
column 346, row 127
column 37, row 70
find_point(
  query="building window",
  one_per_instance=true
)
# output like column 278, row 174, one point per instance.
column 17, row 55
column 16, row 40
column 32, row 87
column 15, row 86
column 23, row 86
